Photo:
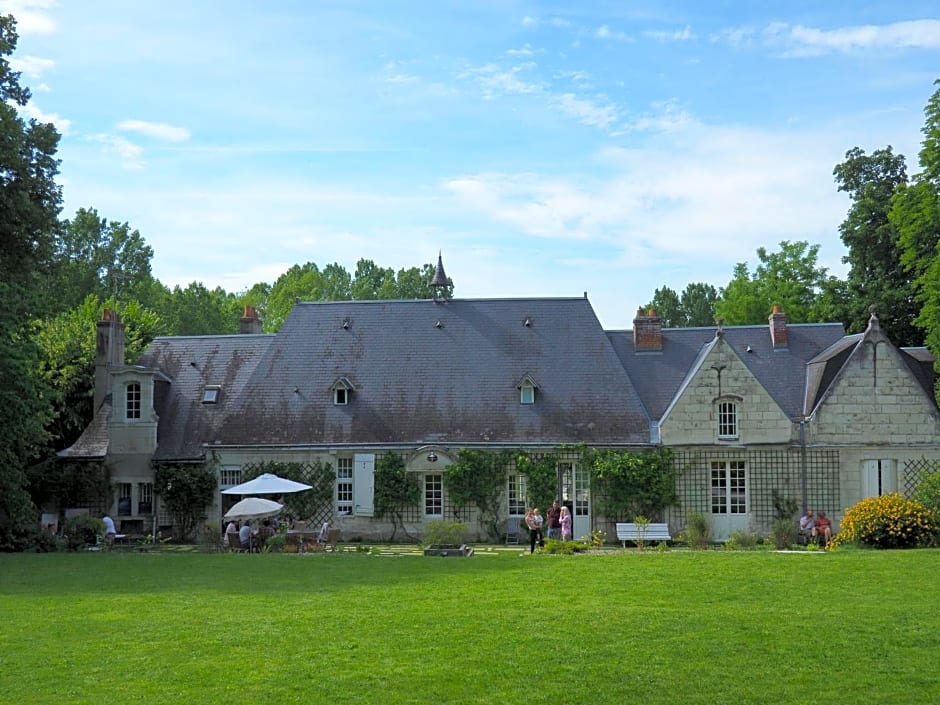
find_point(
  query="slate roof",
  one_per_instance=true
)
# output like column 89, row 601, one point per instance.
column 439, row 372
column 94, row 442
column 191, row 363
column 658, row 376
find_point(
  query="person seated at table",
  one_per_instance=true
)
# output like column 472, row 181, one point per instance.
column 265, row 532
column 244, row 535
column 231, row 532
column 823, row 527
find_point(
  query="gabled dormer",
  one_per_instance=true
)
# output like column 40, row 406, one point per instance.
column 342, row 390
column 527, row 387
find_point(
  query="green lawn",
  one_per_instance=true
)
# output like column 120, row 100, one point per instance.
column 679, row 627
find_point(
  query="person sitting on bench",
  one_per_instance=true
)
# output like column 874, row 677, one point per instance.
column 823, row 527
column 808, row 525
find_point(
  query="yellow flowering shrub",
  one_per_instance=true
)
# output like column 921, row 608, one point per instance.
column 889, row 521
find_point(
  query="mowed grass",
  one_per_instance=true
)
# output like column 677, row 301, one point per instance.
column 680, row 627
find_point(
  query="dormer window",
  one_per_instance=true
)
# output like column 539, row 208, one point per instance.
column 342, row 388
column 210, row 395
column 132, row 397
column 527, row 387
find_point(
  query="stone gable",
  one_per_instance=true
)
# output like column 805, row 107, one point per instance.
column 693, row 418
column 875, row 400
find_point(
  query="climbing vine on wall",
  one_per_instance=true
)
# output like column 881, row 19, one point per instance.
column 541, row 471
column 630, row 483
column 479, row 478
column 395, row 491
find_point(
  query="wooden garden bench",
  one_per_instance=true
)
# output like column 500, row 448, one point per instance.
column 634, row 532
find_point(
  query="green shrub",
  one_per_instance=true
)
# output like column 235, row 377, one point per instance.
column 928, row 492
column 82, row 531
column 783, row 533
column 557, row 546
column 697, row 531
column 445, row 533
column 889, row 521
column 742, row 540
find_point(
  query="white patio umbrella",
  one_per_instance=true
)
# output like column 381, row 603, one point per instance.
column 268, row 483
column 253, row 508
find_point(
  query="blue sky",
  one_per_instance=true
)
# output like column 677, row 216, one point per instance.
column 547, row 149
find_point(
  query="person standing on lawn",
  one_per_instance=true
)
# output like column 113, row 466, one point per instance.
column 553, row 515
column 565, row 521
column 533, row 520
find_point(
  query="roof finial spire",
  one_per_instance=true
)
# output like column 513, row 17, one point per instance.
column 439, row 282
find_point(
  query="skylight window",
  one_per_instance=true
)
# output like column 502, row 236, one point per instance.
column 210, row 395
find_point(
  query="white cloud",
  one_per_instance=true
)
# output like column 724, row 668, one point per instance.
column 529, row 21
column 679, row 35
column 496, row 81
column 524, row 51
column 801, row 41
column 605, row 32
column 710, row 193
column 155, row 130
column 33, row 112
column 735, row 36
column 560, row 22
column 32, row 66
column 31, row 15
column 586, row 111
column 130, row 153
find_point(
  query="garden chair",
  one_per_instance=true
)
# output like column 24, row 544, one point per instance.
column 512, row 531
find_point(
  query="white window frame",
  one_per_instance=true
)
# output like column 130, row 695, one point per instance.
column 515, row 492
column 344, row 486
column 728, row 485
column 340, row 396
column 728, row 417
column 434, row 495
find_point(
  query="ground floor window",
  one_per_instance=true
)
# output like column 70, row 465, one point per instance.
column 517, row 495
column 344, row 486
column 144, row 498
column 230, row 476
column 729, row 487
column 433, row 495
column 125, row 502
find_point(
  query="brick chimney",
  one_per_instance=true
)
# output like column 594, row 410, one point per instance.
column 778, row 328
column 647, row 331
column 109, row 352
column 249, row 323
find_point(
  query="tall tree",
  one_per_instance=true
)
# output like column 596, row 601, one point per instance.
column 100, row 257
column 915, row 212
column 790, row 278
column 29, row 209
column 876, row 275
column 668, row 307
column 698, row 304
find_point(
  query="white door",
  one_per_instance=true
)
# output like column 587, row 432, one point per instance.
column 728, row 498
column 576, row 495
column 363, row 484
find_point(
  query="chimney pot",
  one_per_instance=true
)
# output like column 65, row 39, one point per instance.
column 647, row 331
